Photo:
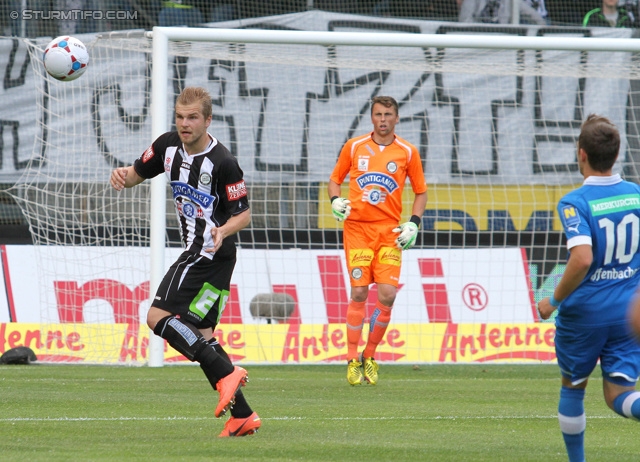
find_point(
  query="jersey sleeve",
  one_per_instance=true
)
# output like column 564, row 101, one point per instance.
column 150, row 163
column 416, row 173
column 234, row 194
column 575, row 223
column 343, row 165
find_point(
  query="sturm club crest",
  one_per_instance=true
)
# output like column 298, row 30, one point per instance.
column 188, row 209
column 374, row 196
column 205, row 178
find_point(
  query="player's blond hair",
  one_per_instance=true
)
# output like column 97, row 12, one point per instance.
column 192, row 95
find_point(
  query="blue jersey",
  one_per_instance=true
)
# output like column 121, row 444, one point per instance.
column 605, row 214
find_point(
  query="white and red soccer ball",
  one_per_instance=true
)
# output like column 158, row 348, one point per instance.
column 65, row 58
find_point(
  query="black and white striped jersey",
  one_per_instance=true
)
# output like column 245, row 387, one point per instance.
column 207, row 188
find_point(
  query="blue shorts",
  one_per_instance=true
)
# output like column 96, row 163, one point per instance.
column 579, row 348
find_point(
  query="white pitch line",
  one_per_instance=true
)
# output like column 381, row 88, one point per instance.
column 284, row 418
column 98, row 419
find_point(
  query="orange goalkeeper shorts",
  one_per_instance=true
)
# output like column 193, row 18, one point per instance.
column 371, row 253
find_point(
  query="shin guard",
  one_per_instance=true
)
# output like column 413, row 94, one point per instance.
column 182, row 336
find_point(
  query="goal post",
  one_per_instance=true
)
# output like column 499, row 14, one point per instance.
column 493, row 110
column 161, row 36
column 158, row 189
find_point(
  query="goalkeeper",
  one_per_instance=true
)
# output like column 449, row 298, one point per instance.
column 378, row 165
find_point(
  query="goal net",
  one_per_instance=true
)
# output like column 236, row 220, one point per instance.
column 495, row 127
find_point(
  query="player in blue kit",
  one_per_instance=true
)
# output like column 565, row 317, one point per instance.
column 601, row 221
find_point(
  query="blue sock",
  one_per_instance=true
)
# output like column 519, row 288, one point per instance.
column 573, row 422
column 627, row 404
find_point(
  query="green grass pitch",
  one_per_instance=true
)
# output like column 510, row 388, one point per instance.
column 431, row 413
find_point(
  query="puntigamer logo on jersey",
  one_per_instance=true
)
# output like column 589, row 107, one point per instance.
column 377, row 179
column 615, row 204
column 184, row 190
column 236, row 191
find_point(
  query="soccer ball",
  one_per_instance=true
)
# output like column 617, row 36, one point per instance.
column 65, row 58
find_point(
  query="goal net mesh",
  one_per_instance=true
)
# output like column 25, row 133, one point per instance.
column 496, row 131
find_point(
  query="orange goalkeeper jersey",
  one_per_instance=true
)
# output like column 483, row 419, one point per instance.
column 377, row 177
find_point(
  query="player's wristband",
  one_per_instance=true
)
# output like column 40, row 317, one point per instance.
column 415, row 219
column 334, row 198
column 554, row 303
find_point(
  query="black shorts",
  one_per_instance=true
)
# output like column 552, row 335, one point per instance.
column 196, row 288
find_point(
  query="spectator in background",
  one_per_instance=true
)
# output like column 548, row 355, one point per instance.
column 568, row 12
column 177, row 13
column 7, row 23
column 609, row 15
column 223, row 12
column 69, row 26
column 498, row 12
column 216, row 10
column 427, row 9
column 538, row 5
column 35, row 27
column 143, row 14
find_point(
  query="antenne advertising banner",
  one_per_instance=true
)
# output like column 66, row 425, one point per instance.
column 453, row 305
